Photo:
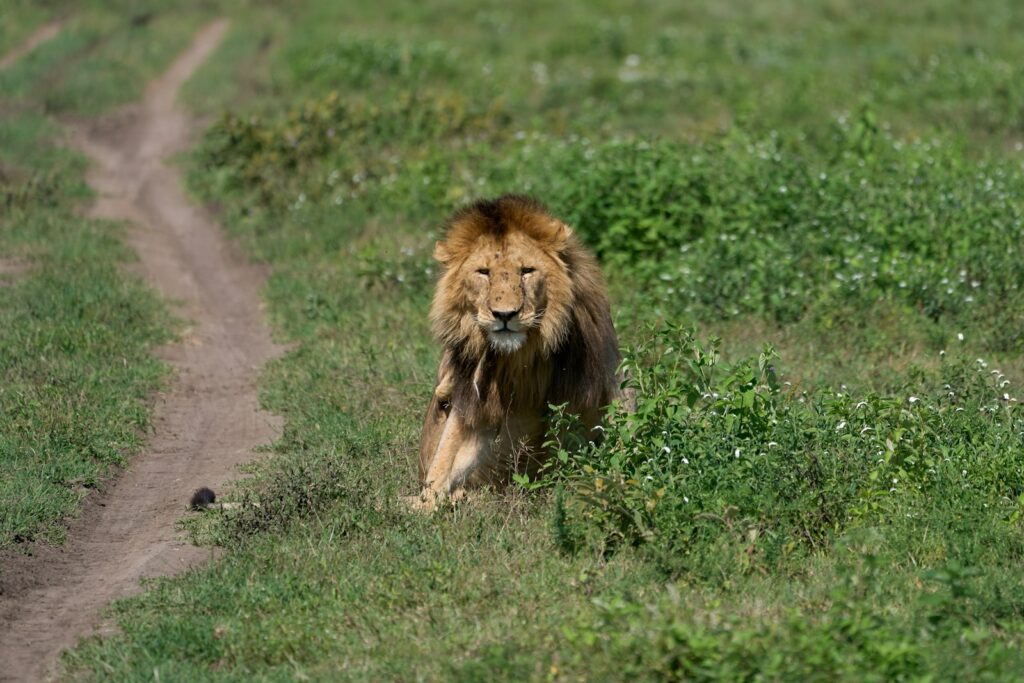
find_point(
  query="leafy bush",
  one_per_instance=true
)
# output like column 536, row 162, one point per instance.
column 777, row 228
column 722, row 469
column 251, row 154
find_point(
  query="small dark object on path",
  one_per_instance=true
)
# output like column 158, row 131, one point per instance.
column 201, row 498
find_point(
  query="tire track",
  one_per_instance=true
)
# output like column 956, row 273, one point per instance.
column 204, row 425
column 39, row 36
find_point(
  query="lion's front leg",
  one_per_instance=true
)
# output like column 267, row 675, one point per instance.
column 434, row 424
column 437, row 414
column 472, row 460
column 461, row 451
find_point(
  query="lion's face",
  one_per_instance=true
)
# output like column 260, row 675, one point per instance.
column 505, row 285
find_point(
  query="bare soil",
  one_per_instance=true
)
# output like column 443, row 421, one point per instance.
column 11, row 270
column 206, row 423
column 39, row 36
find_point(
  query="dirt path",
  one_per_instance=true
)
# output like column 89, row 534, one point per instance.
column 39, row 36
column 205, row 425
column 11, row 270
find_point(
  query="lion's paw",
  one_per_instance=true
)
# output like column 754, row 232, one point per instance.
column 425, row 501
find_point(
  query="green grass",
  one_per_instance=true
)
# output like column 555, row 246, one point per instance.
column 76, row 369
column 831, row 177
column 77, row 330
column 18, row 19
column 104, row 55
column 684, row 70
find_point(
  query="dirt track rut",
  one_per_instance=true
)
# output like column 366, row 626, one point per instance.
column 205, row 424
column 39, row 36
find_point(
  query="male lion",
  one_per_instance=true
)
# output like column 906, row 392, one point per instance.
column 521, row 310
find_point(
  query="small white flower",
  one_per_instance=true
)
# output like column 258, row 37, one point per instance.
column 666, row 449
column 685, row 499
column 540, row 72
column 685, row 461
column 839, row 427
column 737, row 453
column 960, row 336
column 913, row 399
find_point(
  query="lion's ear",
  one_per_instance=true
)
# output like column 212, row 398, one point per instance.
column 441, row 252
column 561, row 235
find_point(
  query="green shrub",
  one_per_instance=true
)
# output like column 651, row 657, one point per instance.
column 721, row 469
column 777, row 228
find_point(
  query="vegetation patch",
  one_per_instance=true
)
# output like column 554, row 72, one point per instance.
column 76, row 330
column 842, row 503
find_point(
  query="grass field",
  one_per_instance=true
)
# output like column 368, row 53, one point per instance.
column 20, row 18
column 837, row 180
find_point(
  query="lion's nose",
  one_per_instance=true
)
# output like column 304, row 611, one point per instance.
column 504, row 316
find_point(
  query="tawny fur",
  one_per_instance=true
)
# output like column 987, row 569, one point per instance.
column 489, row 406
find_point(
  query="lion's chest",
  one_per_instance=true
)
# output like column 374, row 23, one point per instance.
column 510, row 389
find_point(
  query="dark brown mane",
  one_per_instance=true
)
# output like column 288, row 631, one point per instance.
column 498, row 217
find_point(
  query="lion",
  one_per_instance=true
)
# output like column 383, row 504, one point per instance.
column 521, row 312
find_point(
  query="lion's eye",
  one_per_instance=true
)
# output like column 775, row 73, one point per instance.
column 484, row 271
column 525, row 270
